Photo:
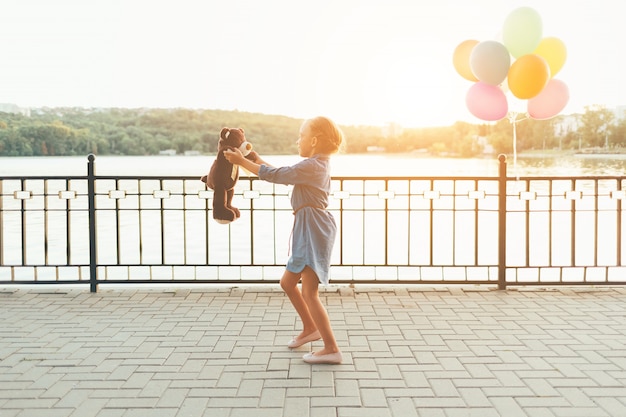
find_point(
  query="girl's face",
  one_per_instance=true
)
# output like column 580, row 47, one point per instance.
column 306, row 141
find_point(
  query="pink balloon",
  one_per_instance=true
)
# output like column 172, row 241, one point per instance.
column 550, row 101
column 486, row 101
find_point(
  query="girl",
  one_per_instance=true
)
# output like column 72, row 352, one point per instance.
column 314, row 230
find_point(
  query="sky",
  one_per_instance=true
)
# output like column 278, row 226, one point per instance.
column 359, row 62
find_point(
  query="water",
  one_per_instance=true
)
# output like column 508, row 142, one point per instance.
column 342, row 165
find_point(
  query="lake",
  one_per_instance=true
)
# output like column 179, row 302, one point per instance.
column 366, row 235
column 384, row 165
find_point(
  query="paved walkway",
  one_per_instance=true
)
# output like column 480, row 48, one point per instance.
column 221, row 352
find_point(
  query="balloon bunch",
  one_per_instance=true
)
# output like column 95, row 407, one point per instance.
column 524, row 64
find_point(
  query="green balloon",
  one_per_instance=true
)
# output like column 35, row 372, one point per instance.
column 522, row 31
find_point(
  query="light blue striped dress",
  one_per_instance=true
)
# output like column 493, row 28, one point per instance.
column 314, row 228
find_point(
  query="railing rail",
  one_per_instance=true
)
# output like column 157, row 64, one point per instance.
column 414, row 230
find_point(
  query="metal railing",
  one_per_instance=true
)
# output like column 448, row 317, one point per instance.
column 412, row 230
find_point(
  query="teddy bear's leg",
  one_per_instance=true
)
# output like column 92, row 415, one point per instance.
column 221, row 213
column 229, row 202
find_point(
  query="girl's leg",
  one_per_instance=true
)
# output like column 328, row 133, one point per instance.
column 310, row 294
column 289, row 284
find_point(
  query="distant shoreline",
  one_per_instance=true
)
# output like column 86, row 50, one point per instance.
column 590, row 153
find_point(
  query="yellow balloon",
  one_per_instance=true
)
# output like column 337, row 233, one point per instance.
column 528, row 75
column 554, row 52
column 461, row 59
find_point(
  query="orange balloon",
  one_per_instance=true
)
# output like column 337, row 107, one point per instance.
column 461, row 59
column 554, row 52
column 528, row 75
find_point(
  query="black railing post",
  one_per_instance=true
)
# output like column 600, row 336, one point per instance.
column 91, row 201
column 618, row 227
column 502, row 223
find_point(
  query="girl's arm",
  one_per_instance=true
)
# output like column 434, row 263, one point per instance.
column 260, row 161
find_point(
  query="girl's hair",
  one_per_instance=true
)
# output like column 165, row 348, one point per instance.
column 329, row 136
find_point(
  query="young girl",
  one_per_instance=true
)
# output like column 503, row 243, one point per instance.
column 314, row 230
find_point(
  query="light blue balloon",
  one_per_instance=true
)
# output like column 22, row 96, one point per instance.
column 490, row 62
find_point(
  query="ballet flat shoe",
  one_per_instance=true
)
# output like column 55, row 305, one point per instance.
column 330, row 358
column 294, row 343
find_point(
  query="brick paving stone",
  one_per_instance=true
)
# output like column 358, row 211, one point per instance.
column 612, row 406
column 168, row 397
column 322, row 412
column 363, row 412
column 321, row 378
column 272, row 398
column 194, row 406
column 409, row 351
column 297, row 406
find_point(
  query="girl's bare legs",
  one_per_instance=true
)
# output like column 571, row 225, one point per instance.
column 317, row 311
column 289, row 284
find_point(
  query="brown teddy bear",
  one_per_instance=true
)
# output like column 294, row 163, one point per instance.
column 223, row 175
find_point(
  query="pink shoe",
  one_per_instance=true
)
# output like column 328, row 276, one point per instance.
column 294, row 343
column 330, row 358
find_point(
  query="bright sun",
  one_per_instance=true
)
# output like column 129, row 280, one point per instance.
column 383, row 76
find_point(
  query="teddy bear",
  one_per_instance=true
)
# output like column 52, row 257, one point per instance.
column 223, row 175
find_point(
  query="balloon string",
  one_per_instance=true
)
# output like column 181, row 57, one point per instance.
column 513, row 120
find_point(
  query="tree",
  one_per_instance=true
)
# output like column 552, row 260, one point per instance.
column 118, row 131
column 542, row 133
column 618, row 133
column 465, row 143
column 501, row 141
column 595, row 124
column 500, row 136
column 12, row 144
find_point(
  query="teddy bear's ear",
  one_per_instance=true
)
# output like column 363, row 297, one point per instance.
column 224, row 133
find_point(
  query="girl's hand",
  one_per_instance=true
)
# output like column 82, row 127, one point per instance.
column 233, row 156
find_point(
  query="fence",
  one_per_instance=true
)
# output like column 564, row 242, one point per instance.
column 400, row 230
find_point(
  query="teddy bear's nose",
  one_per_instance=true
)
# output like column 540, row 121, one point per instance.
column 245, row 148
